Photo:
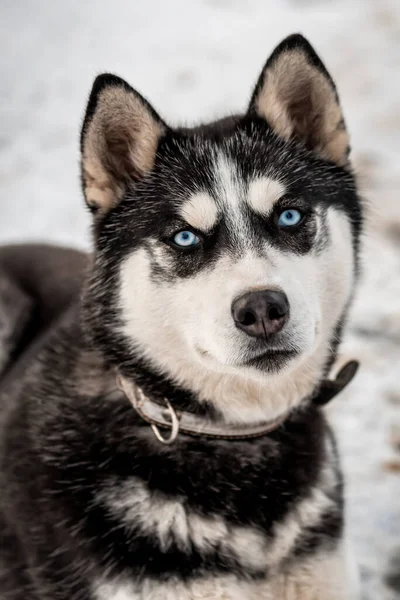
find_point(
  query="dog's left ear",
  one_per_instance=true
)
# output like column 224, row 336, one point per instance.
column 297, row 97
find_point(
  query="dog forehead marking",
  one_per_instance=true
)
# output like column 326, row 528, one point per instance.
column 263, row 193
column 200, row 211
column 229, row 189
column 230, row 192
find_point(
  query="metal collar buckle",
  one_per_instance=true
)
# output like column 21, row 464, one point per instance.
column 174, row 426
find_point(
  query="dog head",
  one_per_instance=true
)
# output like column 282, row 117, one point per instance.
column 225, row 255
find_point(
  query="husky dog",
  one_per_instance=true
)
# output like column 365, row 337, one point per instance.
column 224, row 261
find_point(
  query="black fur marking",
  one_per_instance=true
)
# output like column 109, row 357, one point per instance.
column 327, row 533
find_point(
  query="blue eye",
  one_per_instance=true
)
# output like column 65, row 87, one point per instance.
column 290, row 217
column 185, row 239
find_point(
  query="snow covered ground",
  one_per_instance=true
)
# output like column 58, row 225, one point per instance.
column 199, row 59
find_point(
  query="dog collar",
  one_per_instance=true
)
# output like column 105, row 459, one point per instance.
column 330, row 388
column 166, row 417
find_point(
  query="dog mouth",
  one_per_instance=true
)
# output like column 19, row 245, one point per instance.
column 270, row 359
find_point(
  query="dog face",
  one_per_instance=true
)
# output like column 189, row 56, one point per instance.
column 226, row 254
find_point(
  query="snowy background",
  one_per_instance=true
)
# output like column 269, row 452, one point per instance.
column 196, row 60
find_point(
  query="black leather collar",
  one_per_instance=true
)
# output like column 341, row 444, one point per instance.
column 166, row 417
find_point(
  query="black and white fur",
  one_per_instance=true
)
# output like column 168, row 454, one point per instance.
column 92, row 506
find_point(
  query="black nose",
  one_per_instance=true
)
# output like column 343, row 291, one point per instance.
column 260, row 314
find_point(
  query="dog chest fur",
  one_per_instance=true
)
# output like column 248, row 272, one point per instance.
column 158, row 512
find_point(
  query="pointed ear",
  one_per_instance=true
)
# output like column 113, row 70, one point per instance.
column 298, row 98
column 119, row 140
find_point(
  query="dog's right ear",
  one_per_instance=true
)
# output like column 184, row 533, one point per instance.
column 119, row 141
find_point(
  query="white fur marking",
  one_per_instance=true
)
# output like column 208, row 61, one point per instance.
column 172, row 522
column 221, row 588
column 200, row 211
column 306, row 580
column 264, row 193
column 323, row 577
column 231, row 197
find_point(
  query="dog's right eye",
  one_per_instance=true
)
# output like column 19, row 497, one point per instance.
column 185, row 239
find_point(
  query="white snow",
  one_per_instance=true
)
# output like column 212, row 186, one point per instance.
column 199, row 59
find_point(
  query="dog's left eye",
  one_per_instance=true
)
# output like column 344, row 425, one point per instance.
column 290, row 217
column 185, row 239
